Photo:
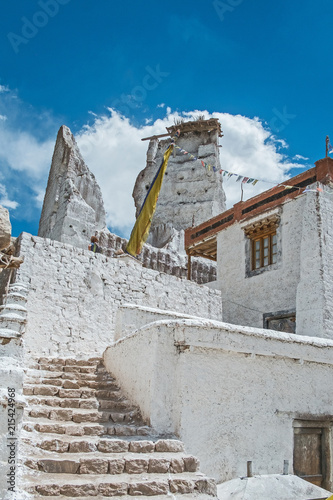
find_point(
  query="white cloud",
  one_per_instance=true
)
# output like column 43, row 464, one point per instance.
column 5, row 201
column 23, row 152
column 300, row 158
column 39, row 197
column 4, row 88
column 3, row 118
column 113, row 150
column 162, row 105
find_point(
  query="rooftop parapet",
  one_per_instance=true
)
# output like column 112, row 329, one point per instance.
column 200, row 241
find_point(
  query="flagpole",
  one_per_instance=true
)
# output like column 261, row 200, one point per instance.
column 327, row 142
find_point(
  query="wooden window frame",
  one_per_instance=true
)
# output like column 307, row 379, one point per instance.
column 261, row 239
column 265, row 228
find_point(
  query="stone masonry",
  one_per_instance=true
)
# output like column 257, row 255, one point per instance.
column 81, row 437
column 73, row 209
column 190, row 194
column 74, row 295
column 165, row 260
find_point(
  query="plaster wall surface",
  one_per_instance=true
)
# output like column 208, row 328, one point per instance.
column 327, row 252
column 74, row 295
column 315, row 289
column 231, row 393
column 131, row 317
column 247, row 298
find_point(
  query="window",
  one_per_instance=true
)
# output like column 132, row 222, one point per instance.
column 282, row 321
column 262, row 246
column 264, row 251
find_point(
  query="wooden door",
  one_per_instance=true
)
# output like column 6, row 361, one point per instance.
column 309, row 460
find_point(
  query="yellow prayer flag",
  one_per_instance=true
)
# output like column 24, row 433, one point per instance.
column 142, row 224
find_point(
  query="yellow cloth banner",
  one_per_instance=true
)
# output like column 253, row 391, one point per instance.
column 142, row 224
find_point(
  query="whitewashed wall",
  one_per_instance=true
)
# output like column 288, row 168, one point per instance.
column 247, row 299
column 74, row 295
column 231, row 393
column 315, row 289
column 302, row 279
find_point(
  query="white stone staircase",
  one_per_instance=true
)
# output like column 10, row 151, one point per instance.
column 82, row 438
column 13, row 312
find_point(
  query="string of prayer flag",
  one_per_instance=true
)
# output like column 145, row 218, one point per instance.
column 244, row 179
column 238, row 177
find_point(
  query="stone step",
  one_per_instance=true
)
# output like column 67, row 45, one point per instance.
column 84, row 392
column 31, row 387
column 81, row 437
column 68, row 444
column 19, row 286
column 116, row 404
column 79, row 377
column 47, row 426
column 72, row 383
column 69, row 361
column 96, row 364
column 77, row 371
column 12, row 321
column 8, row 333
column 16, row 298
column 68, row 369
column 35, row 373
column 80, row 485
column 108, row 463
column 41, row 399
column 13, row 308
column 46, row 404
column 82, row 415
column 191, row 496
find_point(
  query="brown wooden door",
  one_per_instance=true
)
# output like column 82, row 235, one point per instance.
column 308, row 454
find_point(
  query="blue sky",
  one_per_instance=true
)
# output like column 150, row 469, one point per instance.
column 264, row 68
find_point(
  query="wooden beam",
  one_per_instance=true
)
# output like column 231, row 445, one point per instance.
column 189, row 270
column 154, row 137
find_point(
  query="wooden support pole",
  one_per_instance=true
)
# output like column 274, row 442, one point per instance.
column 189, row 270
column 249, row 469
column 286, row 467
column 154, row 137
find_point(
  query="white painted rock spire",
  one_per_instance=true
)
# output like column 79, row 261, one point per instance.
column 73, row 208
column 5, row 228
